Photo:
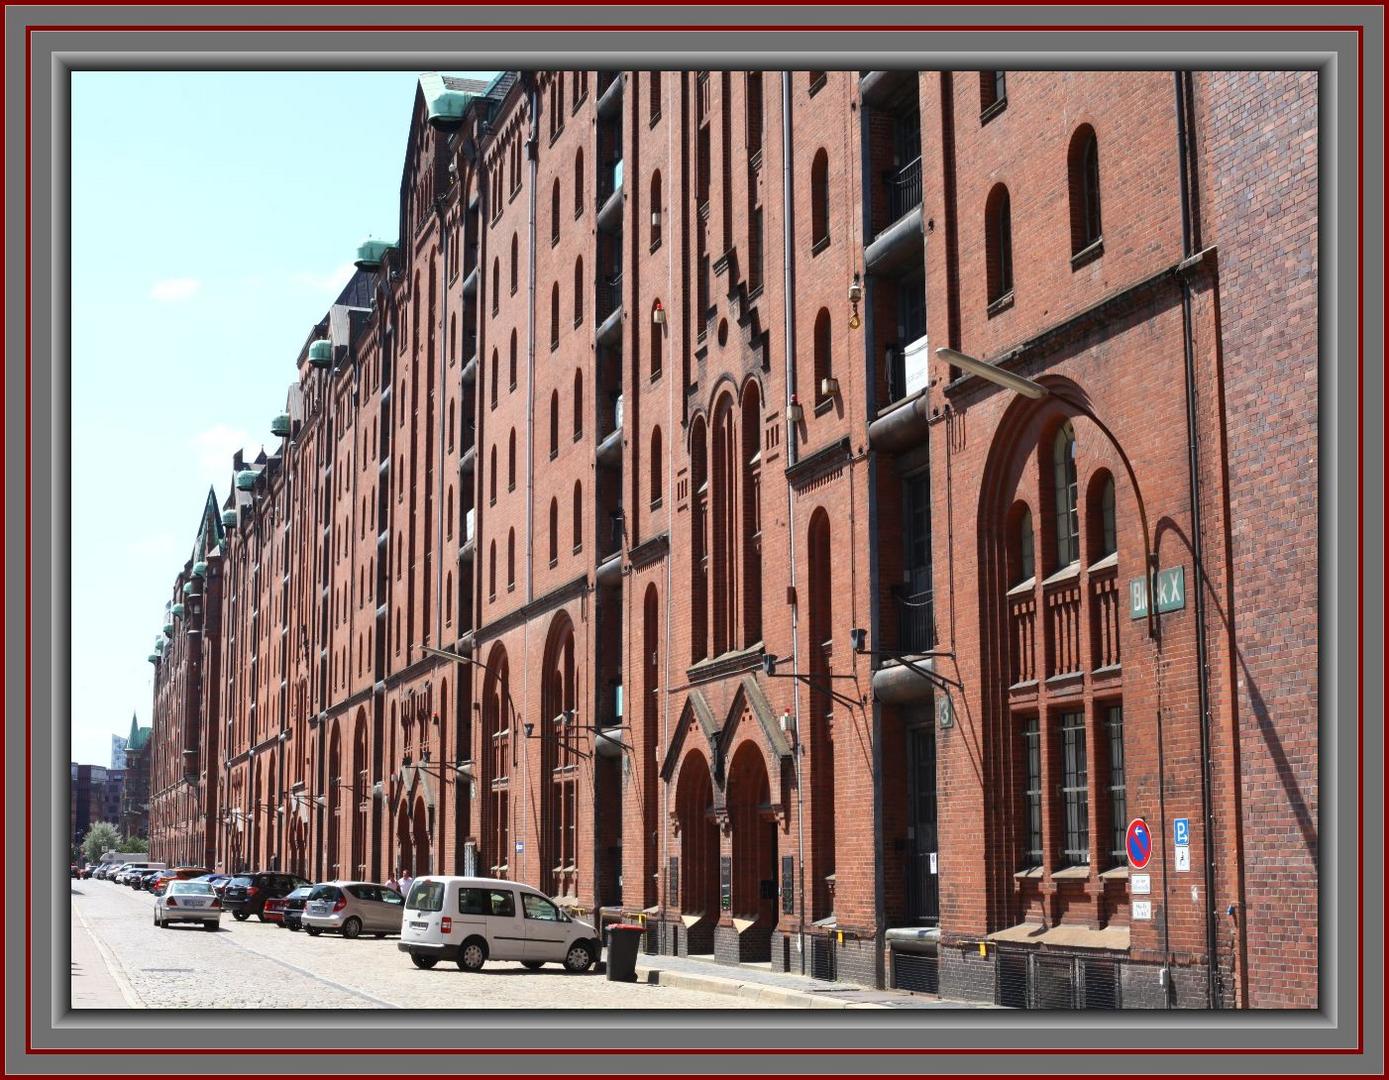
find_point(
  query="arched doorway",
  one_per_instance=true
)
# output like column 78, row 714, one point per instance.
column 496, row 764
column 359, row 796
column 334, row 852
column 821, row 780
column 404, row 844
column 559, row 765
column 752, row 900
column 698, row 887
column 422, row 863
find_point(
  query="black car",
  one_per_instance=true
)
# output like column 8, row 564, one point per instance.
column 144, row 880
column 293, row 908
column 246, row 894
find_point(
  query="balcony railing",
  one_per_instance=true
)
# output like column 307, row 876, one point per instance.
column 610, row 179
column 916, row 621
column 903, row 189
column 609, row 297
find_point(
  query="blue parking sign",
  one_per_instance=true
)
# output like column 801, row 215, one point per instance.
column 1181, row 831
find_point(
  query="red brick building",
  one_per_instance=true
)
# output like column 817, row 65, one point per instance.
column 626, row 535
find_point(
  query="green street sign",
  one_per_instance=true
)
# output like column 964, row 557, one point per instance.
column 1171, row 593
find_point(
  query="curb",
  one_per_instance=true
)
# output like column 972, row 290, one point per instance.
column 753, row 991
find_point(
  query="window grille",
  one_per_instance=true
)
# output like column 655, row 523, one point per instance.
column 1032, row 795
column 1118, row 801
column 1074, row 790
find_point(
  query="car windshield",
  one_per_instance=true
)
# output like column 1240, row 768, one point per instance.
column 243, row 881
column 427, row 896
column 195, row 888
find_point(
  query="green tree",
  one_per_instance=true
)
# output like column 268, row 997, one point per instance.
column 101, row 838
column 135, row 843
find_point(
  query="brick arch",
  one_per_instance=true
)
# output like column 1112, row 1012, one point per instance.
column 559, row 694
column 697, row 846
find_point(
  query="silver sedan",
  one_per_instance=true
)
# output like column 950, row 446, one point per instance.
column 188, row 901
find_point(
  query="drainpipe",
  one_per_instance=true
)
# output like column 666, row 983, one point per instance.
column 532, row 143
column 788, row 256
column 441, row 359
column 1186, row 155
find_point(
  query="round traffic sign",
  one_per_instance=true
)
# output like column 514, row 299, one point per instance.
column 1138, row 842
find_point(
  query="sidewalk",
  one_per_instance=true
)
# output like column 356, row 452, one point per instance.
column 93, row 985
column 758, row 982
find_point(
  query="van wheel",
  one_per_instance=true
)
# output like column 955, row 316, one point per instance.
column 314, row 931
column 532, row 965
column 241, row 916
column 352, row 927
column 579, row 958
column 424, row 963
column 472, row 955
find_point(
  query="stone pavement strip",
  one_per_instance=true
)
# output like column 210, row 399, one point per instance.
column 122, row 960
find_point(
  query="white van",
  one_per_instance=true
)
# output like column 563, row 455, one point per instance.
column 473, row 920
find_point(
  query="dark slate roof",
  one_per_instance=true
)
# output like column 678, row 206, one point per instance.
column 357, row 292
column 468, row 86
column 502, row 84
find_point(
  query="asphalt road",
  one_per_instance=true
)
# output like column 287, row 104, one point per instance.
column 122, row 960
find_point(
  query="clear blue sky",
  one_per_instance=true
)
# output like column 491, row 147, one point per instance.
column 214, row 219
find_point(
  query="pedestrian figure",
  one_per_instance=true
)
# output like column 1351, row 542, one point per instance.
column 405, row 882
column 393, row 882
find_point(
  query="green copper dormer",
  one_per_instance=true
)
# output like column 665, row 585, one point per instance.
column 228, row 519
column 280, row 425
column 246, row 479
column 445, row 105
column 190, row 588
column 370, row 253
column 159, row 644
column 168, row 626
column 177, row 611
column 321, row 351
column 200, row 569
column 153, row 658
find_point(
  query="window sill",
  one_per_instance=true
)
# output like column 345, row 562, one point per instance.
column 655, row 245
column 553, row 563
column 817, row 85
column 510, row 488
column 1119, row 873
column 993, row 110
column 511, row 388
column 554, row 239
column 1002, row 304
column 655, row 504
column 1112, row 559
column 578, row 320
column 819, row 245
column 1034, row 872
column 1022, row 588
column 579, row 210
column 1070, row 570
column 578, row 548
column 655, row 119
column 655, row 377
column 578, row 436
column 823, row 406
column 554, row 454
column 511, row 588
column 1071, row 873
column 1087, row 254
column 554, row 344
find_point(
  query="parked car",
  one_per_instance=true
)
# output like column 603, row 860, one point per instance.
column 161, row 879
column 351, row 908
column 188, row 901
column 473, row 920
column 272, row 911
column 292, row 908
column 245, row 894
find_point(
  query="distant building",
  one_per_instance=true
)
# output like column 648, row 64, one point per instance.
column 97, row 795
column 134, row 812
column 118, row 745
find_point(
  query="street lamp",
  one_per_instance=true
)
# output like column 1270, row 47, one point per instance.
column 1028, row 388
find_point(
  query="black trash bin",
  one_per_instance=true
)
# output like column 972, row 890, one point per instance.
column 623, row 941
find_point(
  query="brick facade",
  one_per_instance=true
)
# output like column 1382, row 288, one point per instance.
column 625, row 537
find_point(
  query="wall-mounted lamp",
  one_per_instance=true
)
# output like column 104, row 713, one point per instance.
column 788, row 724
column 655, row 219
column 829, row 387
column 858, row 639
column 658, row 314
column 794, row 412
column 529, row 729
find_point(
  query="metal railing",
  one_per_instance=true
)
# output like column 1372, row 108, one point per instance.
column 903, row 189
column 609, row 296
column 916, row 621
column 610, row 179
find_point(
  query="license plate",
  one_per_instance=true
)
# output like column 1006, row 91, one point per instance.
column 419, row 925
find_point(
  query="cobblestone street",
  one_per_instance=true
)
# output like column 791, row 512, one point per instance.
column 260, row 965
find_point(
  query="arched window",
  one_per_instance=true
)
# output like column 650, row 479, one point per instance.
column 657, row 340
column 1083, row 165
column 578, row 181
column 578, row 516
column 820, row 589
column 554, row 532
column 492, row 571
column 1024, row 560
column 511, row 385
column 554, row 424
column 656, row 208
column 824, row 362
column 578, row 405
column 654, row 99
column 511, row 461
column 578, row 291
column 1063, row 463
column 656, row 469
column 450, row 443
column 515, row 264
column 496, row 283
column 751, row 479
column 820, row 201
column 554, row 317
column 1099, row 502
column 998, row 243
column 453, row 338
column 492, row 479
column 510, row 560
column 554, row 213
column 495, row 378
column 448, row 608
column 449, row 518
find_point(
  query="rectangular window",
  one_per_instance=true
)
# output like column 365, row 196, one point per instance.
column 1118, row 801
column 1032, row 794
column 1075, row 790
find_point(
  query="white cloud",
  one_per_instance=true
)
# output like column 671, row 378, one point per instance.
column 172, row 290
column 213, row 449
column 331, row 282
